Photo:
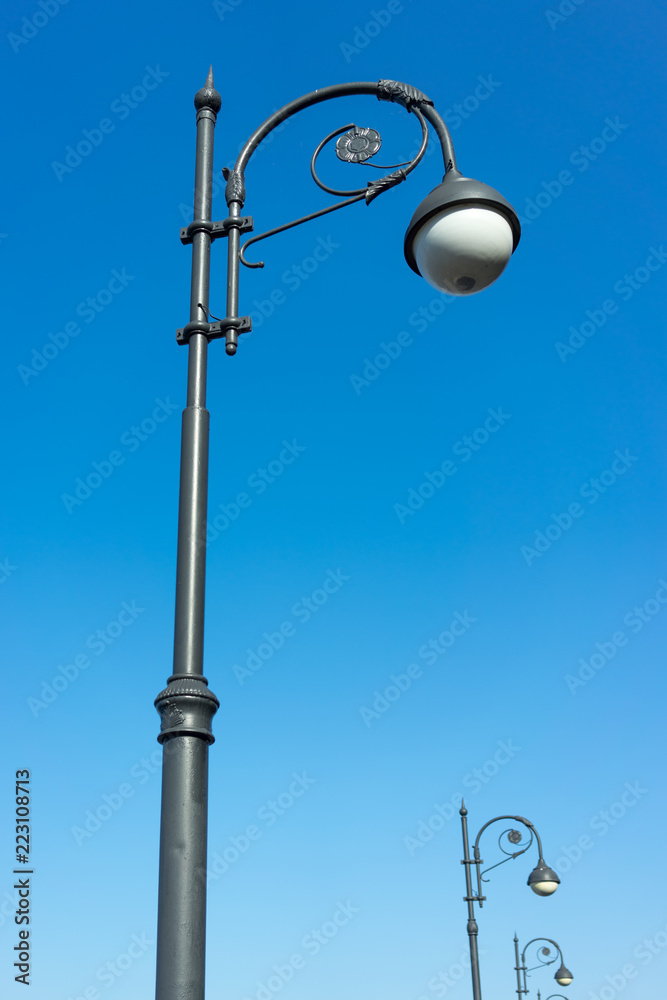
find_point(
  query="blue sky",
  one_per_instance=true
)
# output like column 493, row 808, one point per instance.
column 544, row 544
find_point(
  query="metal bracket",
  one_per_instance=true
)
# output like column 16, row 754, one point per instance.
column 212, row 331
column 401, row 93
column 243, row 223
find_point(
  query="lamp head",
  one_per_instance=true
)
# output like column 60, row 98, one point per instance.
column 461, row 236
column 543, row 880
column 563, row 977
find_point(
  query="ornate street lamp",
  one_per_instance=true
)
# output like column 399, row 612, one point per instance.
column 563, row 976
column 460, row 239
column 542, row 880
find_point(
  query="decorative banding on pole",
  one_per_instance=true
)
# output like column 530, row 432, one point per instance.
column 186, row 708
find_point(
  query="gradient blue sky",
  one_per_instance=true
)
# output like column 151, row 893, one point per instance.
column 571, row 131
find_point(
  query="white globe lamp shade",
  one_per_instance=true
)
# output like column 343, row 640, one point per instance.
column 463, row 249
column 462, row 236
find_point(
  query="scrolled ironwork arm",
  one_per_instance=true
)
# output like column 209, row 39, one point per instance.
column 513, row 836
column 413, row 100
column 385, row 90
column 520, row 819
column 550, row 961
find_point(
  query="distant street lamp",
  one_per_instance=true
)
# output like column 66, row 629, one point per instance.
column 460, row 239
column 542, row 880
column 563, row 976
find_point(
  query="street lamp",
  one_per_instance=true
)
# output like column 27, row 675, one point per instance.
column 542, row 880
column 552, row 997
column 457, row 257
column 563, row 976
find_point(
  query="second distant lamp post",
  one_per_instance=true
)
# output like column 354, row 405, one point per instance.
column 542, row 880
column 563, row 976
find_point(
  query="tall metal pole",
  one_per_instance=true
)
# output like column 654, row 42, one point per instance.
column 186, row 706
column 469, row 899
column 519, row 969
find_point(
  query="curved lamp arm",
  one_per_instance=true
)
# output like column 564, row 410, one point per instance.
column 409, row 97
column 550, row 961
column 514, row 837
column 520, row 819
column 385, row 90
column 369, row 193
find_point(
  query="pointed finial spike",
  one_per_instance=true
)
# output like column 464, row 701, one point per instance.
column 208, row 96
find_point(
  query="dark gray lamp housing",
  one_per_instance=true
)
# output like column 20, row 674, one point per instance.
column 543, row 880
column 461, row 236
column 563, row 977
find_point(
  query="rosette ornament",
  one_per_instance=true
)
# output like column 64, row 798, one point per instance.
column 358, row 145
